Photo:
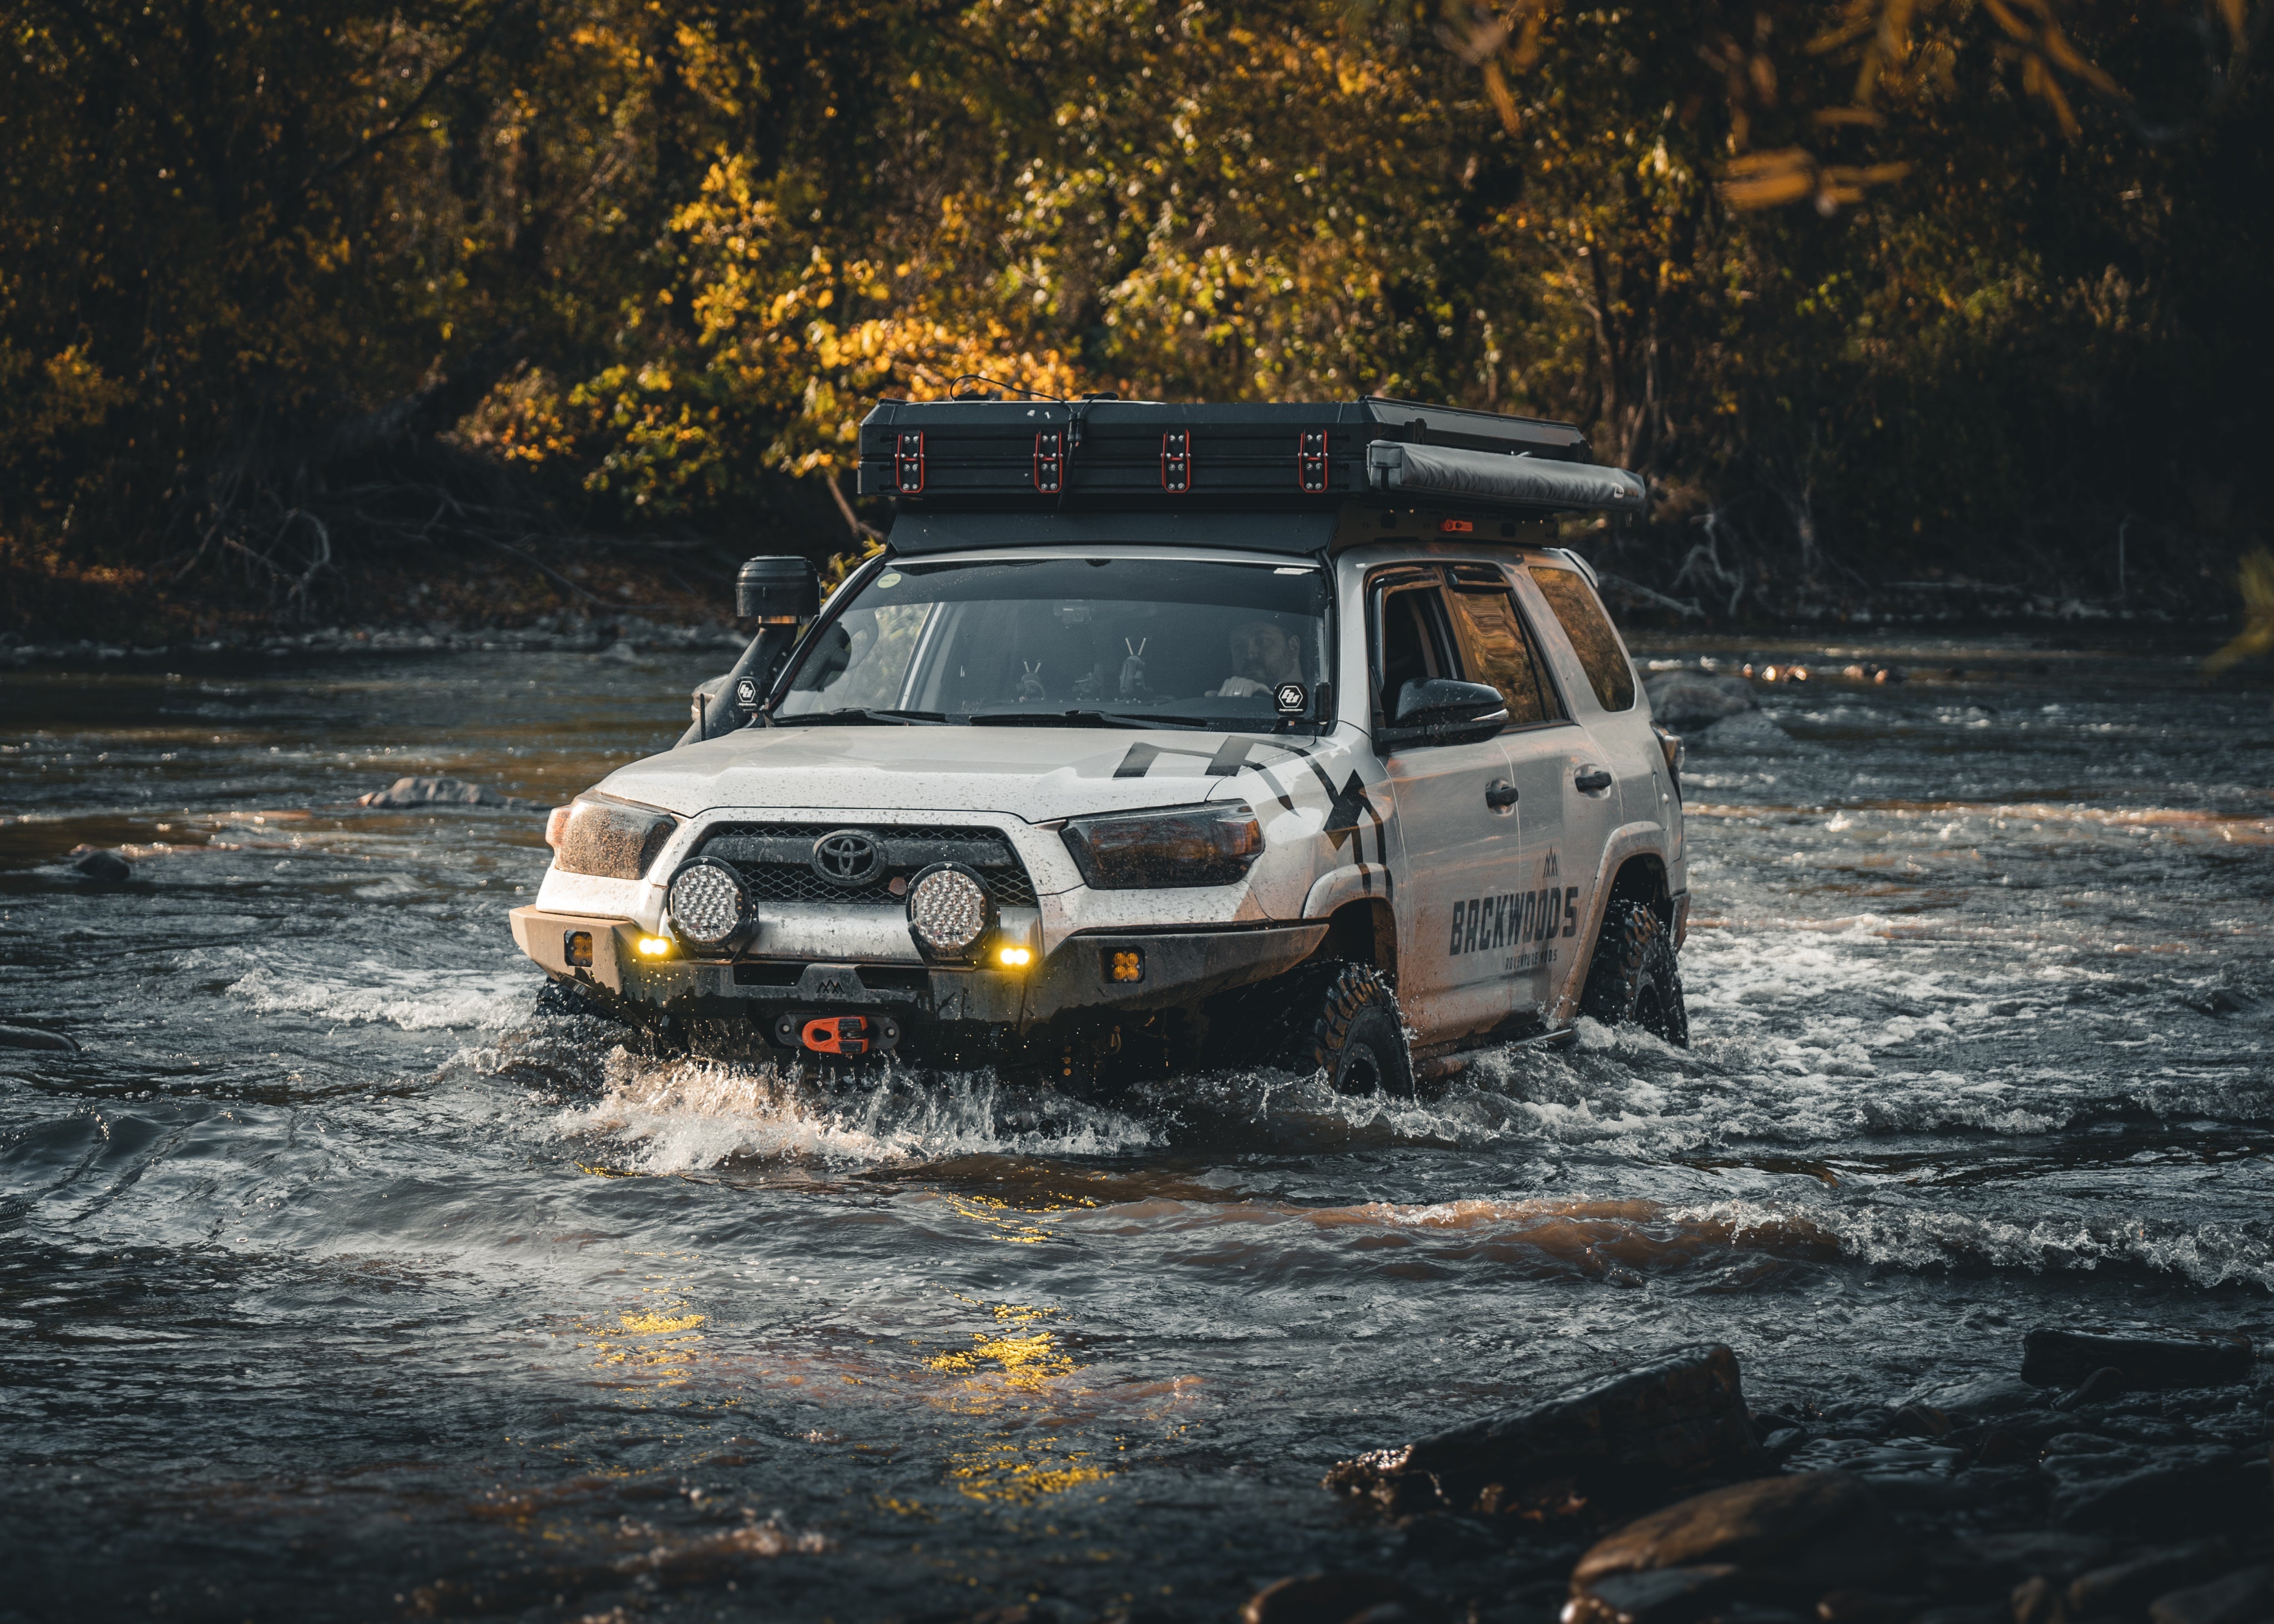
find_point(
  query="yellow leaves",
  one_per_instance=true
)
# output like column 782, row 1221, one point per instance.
column 2255, row 582
column 1763, row 180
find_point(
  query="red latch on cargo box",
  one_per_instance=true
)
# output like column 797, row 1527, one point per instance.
column 909, row 465
column 1311, row 462
column 1050, row 461
column 837, row 1034
column 1177, row 462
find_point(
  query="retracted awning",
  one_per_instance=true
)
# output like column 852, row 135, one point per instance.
column 1442, row 472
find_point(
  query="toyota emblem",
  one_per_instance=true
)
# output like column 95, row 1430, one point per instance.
column 848, row 857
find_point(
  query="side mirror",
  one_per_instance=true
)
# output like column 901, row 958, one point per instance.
column 779, row 591
column 1438, row 710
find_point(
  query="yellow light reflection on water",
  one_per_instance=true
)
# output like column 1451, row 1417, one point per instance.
column 1021, row 1359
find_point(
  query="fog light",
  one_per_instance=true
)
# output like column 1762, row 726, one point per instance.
column 577, row 948
column 1124, row 964
column 949, row 910
column 1016, row 958
column 708, row 906
column 655, row 947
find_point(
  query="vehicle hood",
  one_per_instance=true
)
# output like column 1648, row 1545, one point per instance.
column 1035, row 773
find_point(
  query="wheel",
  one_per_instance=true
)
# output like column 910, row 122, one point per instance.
column 1342, row 1018
column 1633, row 980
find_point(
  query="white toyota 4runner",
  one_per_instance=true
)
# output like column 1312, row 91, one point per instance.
column 1159, row 737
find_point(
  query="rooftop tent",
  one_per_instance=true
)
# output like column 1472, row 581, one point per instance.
column 1064, row 458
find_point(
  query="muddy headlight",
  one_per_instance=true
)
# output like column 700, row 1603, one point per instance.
column 1180, row 846
column 708, row 906
column 612, row 840
column 950, row 909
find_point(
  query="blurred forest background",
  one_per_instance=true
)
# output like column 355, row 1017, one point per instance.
column 330, row 313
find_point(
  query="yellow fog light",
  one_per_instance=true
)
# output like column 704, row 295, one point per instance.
column 1015, row 958
column 654, row 947
column 576, row 949
column 1124, row 964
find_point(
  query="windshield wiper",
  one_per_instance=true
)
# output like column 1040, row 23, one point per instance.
column 1090, row 719
column 899, row 718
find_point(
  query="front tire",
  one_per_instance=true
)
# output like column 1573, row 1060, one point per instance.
column 1343, row 1018
column 1633, row 980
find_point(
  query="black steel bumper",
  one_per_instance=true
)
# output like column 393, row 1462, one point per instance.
column 1178, row 966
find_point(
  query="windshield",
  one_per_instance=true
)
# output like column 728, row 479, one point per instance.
column 1196, row 639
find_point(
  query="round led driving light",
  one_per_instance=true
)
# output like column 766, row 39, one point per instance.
column 949, row 909
column 707, row 906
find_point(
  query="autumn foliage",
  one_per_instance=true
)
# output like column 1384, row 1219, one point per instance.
column 1874, row 292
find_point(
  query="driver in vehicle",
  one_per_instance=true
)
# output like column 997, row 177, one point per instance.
column 1263, row 656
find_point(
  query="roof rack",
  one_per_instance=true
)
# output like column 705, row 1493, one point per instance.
column 1045, row 457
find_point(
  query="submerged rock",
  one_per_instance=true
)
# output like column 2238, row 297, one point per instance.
column 2187, row 1485
column 1673, row 1422
column 2245, row 1598
column 2127, row 1587
column 2053, row 1358
column 2097, row 1389
column 32, row 1037
column 1774, row 1542
column 1687, row 699
column 441, row 793
column 1337, row 1598
column 103, row 867
column 1750, row 731
column 1971, row 1400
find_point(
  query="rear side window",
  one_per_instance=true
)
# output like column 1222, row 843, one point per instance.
column 1609, row 673
column 1496, row 649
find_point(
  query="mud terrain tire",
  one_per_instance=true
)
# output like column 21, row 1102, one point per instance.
column 1633, row 980
column 1342, row 1017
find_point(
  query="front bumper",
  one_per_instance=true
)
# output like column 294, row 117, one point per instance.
column 1180, row 966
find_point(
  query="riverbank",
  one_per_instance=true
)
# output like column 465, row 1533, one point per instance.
column 681, row 598
column 546, row 633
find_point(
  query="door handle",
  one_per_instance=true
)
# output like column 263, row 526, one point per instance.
column 1500, row 794
column 1593, row 781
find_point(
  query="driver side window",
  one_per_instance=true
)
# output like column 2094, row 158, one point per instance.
column 1411, row 641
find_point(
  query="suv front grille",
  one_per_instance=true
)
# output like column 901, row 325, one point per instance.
column 775, row 861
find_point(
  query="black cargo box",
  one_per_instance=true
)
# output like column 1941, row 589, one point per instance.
column 1052, row 456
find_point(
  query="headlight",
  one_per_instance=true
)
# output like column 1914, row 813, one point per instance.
column 612, row 840
column 1184, row 845
column 707, row 904
column 950, row 909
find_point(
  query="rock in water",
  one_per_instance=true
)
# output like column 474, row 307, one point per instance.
column 2183, row 1487
column 1686, row 699
column 2245, row 1598
column 1778, row 1541
column 104, row 867
column 1677, row 1421
column 439, row 792
column 32, row 1037
column 2127, row 1587
column 1749, row 730
column 1333, row 1598
column 1973, row 1401
column 2051, row 1358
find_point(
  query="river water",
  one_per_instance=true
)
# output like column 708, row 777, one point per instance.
column 336, row 1282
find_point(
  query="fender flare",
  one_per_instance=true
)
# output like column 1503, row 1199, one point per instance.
column 1362, row 882
column 1644, row 838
